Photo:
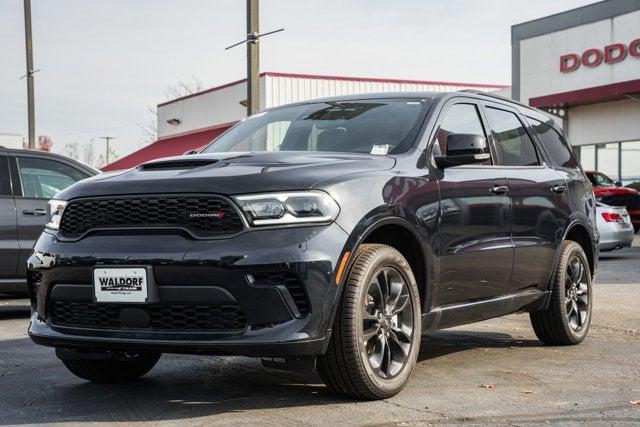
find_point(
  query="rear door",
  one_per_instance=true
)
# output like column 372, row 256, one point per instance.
column 8, row 225
column 536, row 189
column 475, row 250
column 38, row 179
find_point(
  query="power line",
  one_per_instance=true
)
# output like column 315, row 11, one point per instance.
column 97, row 130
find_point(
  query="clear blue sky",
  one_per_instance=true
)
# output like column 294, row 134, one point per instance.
column 104, row 62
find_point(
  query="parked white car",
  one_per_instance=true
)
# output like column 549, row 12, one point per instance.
column 614, row 226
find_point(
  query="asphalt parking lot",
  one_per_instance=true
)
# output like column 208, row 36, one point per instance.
column 492, row 372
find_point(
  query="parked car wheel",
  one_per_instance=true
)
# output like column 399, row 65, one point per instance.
column 566, row 320
column 119, row 367
column 376, row 332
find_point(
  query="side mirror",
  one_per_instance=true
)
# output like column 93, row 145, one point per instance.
column 188, row 153
column 618, row 183
column 463, row 149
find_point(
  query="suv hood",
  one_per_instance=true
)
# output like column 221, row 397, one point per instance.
column 229, row 173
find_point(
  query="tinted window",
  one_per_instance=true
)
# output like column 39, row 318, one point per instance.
column 42, row 178
column 378, row 126
column 554, row 144
column 5, row 182
column 513, row 144
column 459, row 118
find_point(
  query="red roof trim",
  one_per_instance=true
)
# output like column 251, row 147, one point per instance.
column 340, row 78
column 610, row 92
column 198, row 130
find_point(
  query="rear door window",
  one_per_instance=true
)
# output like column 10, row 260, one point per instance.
column 513, row 144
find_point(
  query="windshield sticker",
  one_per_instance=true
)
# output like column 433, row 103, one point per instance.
column 380, row 149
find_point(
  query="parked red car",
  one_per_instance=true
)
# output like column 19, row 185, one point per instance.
column 613, row 193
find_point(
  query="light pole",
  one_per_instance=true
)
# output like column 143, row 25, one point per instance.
column 253, row 56
column 29, row 74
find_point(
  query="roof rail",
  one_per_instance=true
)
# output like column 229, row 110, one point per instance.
column 493, row 95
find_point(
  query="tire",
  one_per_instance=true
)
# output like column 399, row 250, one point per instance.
column 117, row 368
column 379, row 366
column 554, row 326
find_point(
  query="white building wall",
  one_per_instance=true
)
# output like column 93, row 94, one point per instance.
column 616, row 121
column 205, row 110
column 11, row 140
column 282, row 90
column 540, row 57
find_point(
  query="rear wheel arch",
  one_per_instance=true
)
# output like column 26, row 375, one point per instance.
column 579, row 233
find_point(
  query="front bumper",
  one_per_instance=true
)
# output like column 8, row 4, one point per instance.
column 280, row 319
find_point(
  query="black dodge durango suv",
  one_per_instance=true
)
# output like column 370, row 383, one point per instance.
column 326, row 235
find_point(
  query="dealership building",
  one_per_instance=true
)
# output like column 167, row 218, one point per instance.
column 583, row 66
column 194, row 120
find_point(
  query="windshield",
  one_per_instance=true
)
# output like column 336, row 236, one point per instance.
column 377, row 126
column 600, row 179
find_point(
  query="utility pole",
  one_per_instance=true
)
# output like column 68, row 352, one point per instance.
column 253, row 56
column 107, row 139
column 29, row 74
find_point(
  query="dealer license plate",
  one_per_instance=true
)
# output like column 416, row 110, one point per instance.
column 120, row 284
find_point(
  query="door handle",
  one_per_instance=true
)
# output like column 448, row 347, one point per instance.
column 559, row 188
column 500, row 189
column 35, row 212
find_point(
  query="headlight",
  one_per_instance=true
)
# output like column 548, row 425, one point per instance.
column 288, row 208
column 55, row 210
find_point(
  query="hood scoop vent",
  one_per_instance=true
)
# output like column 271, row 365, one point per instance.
column 178, row 164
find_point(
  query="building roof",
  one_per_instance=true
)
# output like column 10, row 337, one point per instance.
column 166, row 147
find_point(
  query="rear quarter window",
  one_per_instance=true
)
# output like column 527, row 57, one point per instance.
column 554, row 144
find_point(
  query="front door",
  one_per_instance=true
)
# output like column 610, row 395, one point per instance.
column 475, row 252
column 39, row 180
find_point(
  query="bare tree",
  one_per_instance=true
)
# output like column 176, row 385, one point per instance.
column 102, row 160
column 89, row 153
column 44, row 143
column 72, row 149
column 180, row 89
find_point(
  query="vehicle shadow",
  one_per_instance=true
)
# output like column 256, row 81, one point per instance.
column 182, row 387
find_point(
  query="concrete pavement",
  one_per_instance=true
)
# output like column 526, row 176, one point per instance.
column 492, row 372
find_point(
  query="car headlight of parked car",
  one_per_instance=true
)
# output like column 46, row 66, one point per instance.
column 55, row 210
column 300, row 207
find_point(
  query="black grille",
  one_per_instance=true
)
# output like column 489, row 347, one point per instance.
column 287, row 279
column 631, row 202
column 178, row 164
column 174, row 318
column 203, row 216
